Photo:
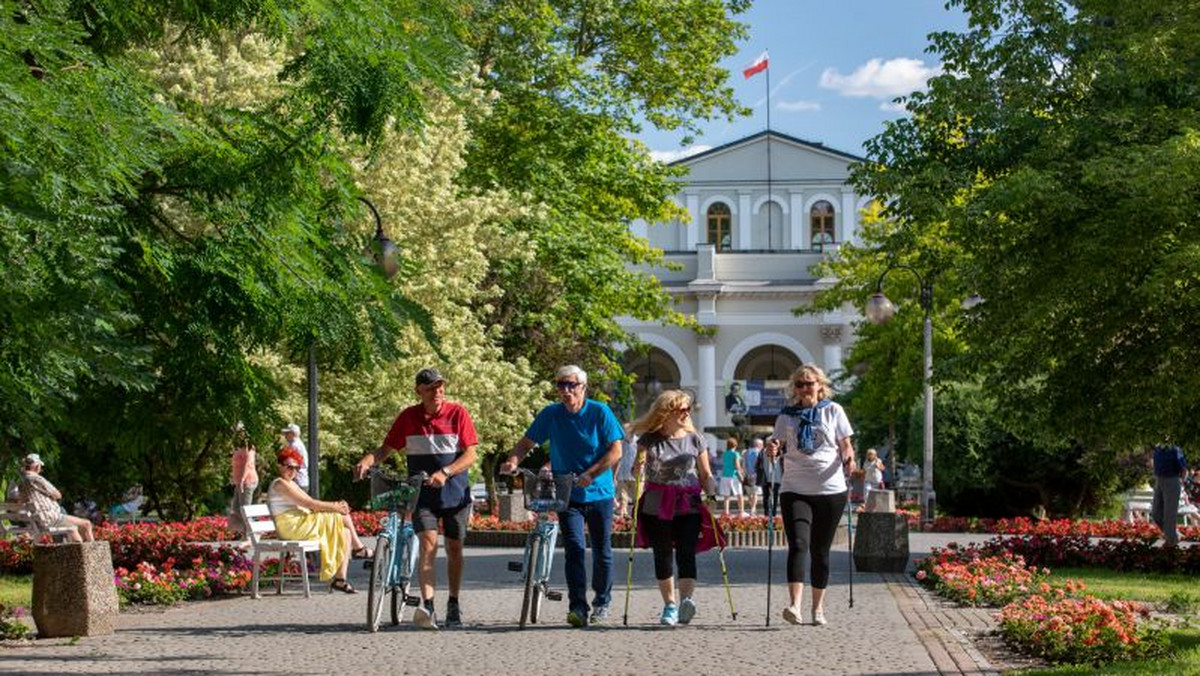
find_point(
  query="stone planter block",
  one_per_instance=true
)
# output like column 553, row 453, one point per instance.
column 881, row 502
column 880, row 543
column 73, row 590
column 512, row 507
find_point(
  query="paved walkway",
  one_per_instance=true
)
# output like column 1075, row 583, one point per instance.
column 912, row 634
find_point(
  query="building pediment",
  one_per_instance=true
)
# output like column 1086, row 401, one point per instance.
column 745, row 161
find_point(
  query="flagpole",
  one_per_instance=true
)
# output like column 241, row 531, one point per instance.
column 770, row 211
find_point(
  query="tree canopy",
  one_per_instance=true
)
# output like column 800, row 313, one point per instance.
column 1056, row 158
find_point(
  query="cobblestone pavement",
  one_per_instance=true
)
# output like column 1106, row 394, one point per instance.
column 910, row 634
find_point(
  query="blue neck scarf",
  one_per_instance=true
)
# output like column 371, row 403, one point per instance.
column 807, row 416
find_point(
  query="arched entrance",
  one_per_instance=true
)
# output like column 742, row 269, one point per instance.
column 761, row 376
column 656, row 371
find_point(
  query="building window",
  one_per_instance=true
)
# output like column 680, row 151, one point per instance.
column 719, row 224
column 821, row 217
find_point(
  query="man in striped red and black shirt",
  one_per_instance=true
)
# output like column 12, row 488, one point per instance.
column 438, row 437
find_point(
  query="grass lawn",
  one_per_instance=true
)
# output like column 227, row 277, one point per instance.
column 1174, row 593
column 16, row 590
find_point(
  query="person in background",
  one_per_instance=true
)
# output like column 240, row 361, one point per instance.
column 299, row 517
column 672, row 519
column 243, row 477
column 585, row 439
column 1170, row 467
column 41, row 497
column 814, row 437
column 750, row 479
column 291, row 439
column 732, row 472
column 873, row 467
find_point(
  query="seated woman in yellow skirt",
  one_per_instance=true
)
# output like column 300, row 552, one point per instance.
column 299, row 517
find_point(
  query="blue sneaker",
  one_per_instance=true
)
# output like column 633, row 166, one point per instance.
column 577, row 619
column 687, row 610
column 670, row 615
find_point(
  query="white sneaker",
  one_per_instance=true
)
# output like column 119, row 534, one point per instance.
column 687, row 610
column 424, row 618
column 819, row 617
column 792, row 614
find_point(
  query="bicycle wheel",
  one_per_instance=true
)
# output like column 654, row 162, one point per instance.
column 406, row 572
column 530, row 558
column 381, row 571
column 539, row 587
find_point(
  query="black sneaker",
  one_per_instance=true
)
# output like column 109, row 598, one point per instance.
column 453, row 615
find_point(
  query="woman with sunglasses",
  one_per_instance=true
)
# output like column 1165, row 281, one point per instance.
column 813, row 435
column 671, row 517
column 299, row 517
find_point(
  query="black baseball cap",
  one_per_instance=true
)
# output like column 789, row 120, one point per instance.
column 429, row 376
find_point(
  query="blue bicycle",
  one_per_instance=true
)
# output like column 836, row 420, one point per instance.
column 396, row 549
column 544, row 494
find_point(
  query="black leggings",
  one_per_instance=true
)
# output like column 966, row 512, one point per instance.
column 810, row 522
column 680, row 534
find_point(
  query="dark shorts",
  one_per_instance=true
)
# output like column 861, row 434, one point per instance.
column 454, row 520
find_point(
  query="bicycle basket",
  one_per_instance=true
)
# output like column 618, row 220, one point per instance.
column 548, row 494
column 399, row 496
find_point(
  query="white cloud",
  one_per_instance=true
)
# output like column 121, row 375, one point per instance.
column 881, row 79
column 892, row 107
column 799, row 106
column 668, row 156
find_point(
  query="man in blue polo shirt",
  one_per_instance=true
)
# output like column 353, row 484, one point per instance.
column 585, row 438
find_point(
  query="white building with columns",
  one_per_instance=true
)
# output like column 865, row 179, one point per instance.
column 744, row 262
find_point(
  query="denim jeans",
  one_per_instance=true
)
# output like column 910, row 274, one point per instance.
column 598, row 516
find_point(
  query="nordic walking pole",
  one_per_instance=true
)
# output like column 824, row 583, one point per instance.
column 724, row 568
column 850, row 544
column 637, row 496
column 772, row 497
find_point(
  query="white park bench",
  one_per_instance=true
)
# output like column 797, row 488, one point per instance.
column 258, row 518
column 1137, row 503
column 15, row 520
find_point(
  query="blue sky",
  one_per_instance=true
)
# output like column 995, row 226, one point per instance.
column 835, row 67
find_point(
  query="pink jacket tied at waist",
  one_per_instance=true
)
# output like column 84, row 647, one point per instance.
column 680, row 497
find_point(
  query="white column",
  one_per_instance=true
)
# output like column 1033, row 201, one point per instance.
column 849, row 219
column 796, row 221
column 706, row 390
column 831, row 339
column 692, row 232
column 745, row 220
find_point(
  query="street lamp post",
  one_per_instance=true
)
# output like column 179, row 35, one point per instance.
column 879, row 310
column 383, row 252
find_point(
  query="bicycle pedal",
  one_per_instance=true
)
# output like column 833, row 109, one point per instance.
column 553, row 595
column 516, row 566
column 411, row 600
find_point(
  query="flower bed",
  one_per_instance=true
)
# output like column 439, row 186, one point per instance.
column 1109, row 528
column 168, row 585
column 11, row 625
column 1053, row 622
column 973, row 580
column 1082, row 630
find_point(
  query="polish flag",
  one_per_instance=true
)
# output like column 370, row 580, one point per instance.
column 759, row 65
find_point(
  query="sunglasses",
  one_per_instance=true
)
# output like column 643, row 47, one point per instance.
column 289, row 465
column 568, row 385
column 683, row 409
column 805, row 383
